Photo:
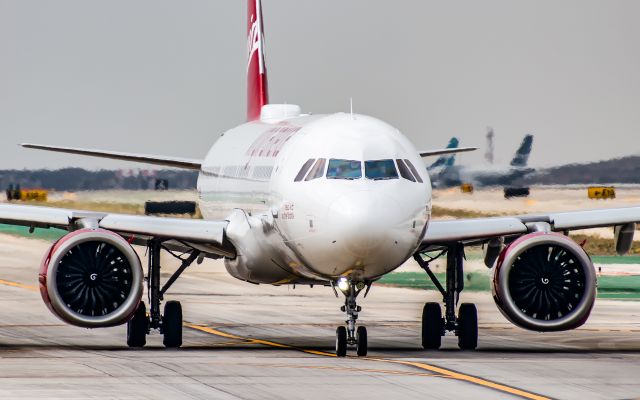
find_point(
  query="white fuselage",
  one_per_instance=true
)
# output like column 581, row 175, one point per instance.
column 311, row 230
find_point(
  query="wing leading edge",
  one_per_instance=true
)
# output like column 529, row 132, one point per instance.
column 482, row 229
column 167, row 161
column 207, row 235
column 428, row 153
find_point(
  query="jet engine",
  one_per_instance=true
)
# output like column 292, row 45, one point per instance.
column 545, row 282
column 91, row 278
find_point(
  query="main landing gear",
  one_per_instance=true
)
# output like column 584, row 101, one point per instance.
column 349, row 335
column 465, row 324
column 170, row 322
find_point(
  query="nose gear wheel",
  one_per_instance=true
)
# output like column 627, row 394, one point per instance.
column 341, row 341
column 361, row 341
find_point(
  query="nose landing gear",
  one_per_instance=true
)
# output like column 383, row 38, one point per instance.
column 349, row 335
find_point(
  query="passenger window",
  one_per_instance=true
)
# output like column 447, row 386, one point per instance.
column 404, row 171
column 413, row 169
column 317, row 171
column 304, row 169
column 344, row 169
column 380, row 170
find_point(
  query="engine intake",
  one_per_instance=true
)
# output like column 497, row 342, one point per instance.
column 91, row 278
column 545, row 282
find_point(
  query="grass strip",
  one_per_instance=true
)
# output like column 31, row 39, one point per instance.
column 609, row 286
column 51, row 234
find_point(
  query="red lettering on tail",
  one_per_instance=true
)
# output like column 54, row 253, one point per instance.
column 257, row 93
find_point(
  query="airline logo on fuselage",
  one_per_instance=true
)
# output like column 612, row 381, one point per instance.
column 271, row 141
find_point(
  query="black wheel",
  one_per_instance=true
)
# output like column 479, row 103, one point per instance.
column 361, row 341
column 467, row 326
column 432, row 326
column 341, row 341
column 172, row 324
column 137, row 327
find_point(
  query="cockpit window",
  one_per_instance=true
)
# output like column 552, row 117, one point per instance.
column 413, row 169
column 344, row 169
column 304, row 170
column 317, row 171
column 404, row 171
column 380, row 170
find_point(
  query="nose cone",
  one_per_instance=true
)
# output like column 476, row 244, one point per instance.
column 363, row 222
column 363, row 234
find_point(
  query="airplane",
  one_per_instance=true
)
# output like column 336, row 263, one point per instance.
column 443, row 172
column 445, row 161
column 449, row 174
column 337, row 200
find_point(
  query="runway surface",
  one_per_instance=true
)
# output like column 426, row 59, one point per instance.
column 243, row 341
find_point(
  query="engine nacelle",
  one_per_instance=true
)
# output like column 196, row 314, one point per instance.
column 545, row 282
column 91, row 278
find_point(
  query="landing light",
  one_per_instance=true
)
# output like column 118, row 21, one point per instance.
column 343, row 284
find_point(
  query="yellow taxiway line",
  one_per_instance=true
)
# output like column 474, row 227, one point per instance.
column 19, row 285
column 435, row 370
column 439, row 371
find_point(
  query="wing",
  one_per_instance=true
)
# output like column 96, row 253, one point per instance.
column 427, row 153
column 167, row 161
column 205, row 235
column 479, row 230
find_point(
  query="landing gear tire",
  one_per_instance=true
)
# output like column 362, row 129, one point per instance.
column 361, row 341
column 172, row 324
column 467, row 326
column 432, row 326
column 137, row 327
column 341, row 341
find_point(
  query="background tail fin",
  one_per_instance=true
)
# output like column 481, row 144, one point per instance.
column 257, row 92
column 451, row 160
column 446, row 160
column 522, row 155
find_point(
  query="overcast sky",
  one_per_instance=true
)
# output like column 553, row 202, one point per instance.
column 167, row 77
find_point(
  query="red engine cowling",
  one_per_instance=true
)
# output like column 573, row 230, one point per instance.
column 91, row 278
column 545, row 282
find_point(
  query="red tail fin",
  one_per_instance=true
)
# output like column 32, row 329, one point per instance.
column 257, row 92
